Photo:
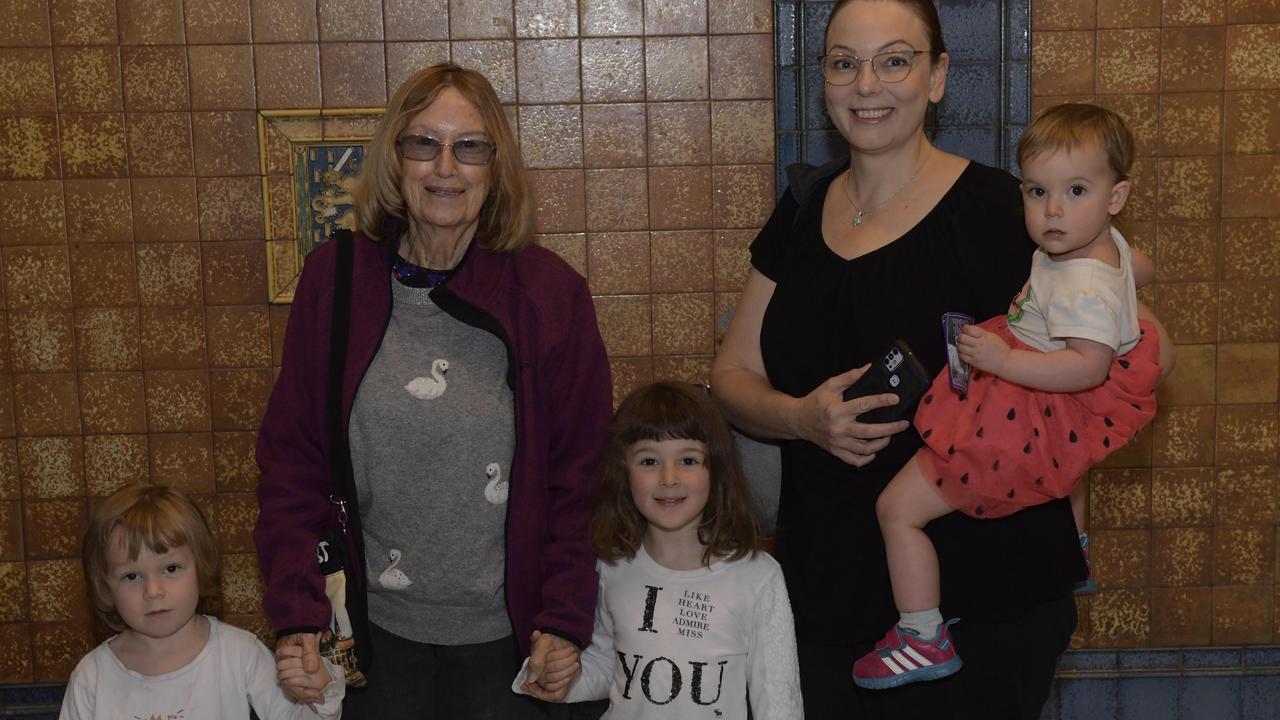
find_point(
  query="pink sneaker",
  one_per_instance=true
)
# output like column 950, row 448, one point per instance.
column 902, row 658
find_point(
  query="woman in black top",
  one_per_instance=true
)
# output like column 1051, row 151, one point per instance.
column 859, row 253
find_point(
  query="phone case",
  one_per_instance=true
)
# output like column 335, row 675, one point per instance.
column 899, row 372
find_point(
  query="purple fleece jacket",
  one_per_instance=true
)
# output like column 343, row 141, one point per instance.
column 562, row 404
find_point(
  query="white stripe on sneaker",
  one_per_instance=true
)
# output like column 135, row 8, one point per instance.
column 888, row 661
column 903, row 660
column 922, row 660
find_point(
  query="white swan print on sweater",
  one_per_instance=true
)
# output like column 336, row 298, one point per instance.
column 496, row 490
column 430, row 388
column 392, row 578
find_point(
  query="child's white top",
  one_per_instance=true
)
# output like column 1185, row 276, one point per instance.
column 233, row 672
column 691, row 644
column 1082, row 298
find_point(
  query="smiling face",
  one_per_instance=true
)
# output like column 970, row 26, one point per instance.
column 155, row 594
column 876, row 116
column 1068, row 197
column 670, row 484
column 444, row 194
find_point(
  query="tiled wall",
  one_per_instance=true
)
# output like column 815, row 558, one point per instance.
column 135, row 338
column 1184, row 520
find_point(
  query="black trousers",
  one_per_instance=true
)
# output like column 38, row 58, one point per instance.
column 1007, row 674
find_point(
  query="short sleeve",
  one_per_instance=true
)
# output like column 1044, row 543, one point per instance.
column 767, row 250
column 1083, row 314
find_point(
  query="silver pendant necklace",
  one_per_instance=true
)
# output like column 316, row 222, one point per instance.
column 860, row 214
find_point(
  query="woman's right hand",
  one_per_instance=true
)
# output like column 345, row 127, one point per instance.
column 825, row 419
column 298, row 688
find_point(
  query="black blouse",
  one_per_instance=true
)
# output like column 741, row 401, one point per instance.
column 970, row 254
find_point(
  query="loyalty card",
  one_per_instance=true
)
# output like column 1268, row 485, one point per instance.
column 953, row 323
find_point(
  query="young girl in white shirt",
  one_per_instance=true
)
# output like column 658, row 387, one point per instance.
column 692, row 621
column 150, row 561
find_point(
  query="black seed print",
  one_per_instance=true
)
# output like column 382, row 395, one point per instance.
column 928, row 399
column 1106, row 442
column 1107, row 378
column 978, row 511
column 1123, row 363
column 951, row 450
column 964, row 398
column 1036, row 431
column 1010, row 495
column 977, row 374
column 964, row 479
column 1136, row 406
column 979, row 433
column 978, row 409
column 995, row 466
column 938, row 482
column 995, row 381
column 1026, row 449
column 1107, row 421
column 1141, row 332
column 1040, row 480
column 1055, row 464
column 925, row 435
column 1048, row 412
column 1072, row 437
column 1011, row 414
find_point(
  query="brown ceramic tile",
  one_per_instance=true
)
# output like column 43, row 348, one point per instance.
column 1120, row 618
column 1244, row 555
column 1242, row 614
column 675, row 17
column 177, row 401
column 615, row 199
column 98, row 211
column 36, row 276
column 221, row 77
column 26, row 79
column 679, row 133
column 26, row 23
column 682, row 261
column 1194, row 12
column 184, row 461
column 225, row 142
column 618, row 263
column 682, row 368
column 234, row 467
column 107, row 339
column 1128, row 61
column 53, row 528
column 1119, row 499
column 8, row 420
column 1247, row 434
column 230, row 209
column 155, row 78
column 351, row 74
column 613, row 135
column 1062, row 62
column 1042, row 102
column 34, row 212
column 280, row 321
column 238, row 336
column 495, row 59
column 103, row 275
column 172, row 338
column 1190, row 314
column 169, row 274
column 612, row 69
column 1249, row 250
column 57, row 648
column 1062, row 15
column 83, row 22
column 1080, row 638
column 11, row 547
column 629, row 374
column 1134, row 454
column 284, row 20
column 676, row 68
column 88, row 80
column 613, row 17
column 234, row 515
column 1251, row 11
column 571, row 247
column 151, row 22
column 93, row 145
column 58, row 591
column 1141, row 112
column 1250, row 56
column 1128, row 13
column 1252, row 124
column 740, row 16
column 241, row 583
column 112, row 402
column 51, row 467
column 1191, row 59
column 561, row 200
column 112, row 462
column 1142, row 236
column 551, row 136
column 480, row 19
column 1249, row 185
column 1255, row 315
column 742, row 132
column 235, row 273
column 743, row 194
column 406, row 58
column 1193, row 379
column 13, row 598
column 1186, row 616
column 683, row 323
column 1181, row 557
column 1182, row 496
column 160, row 144
column 1245, row 495
column 625, row 324
column 1191, row 124
column 10, row 484
column 217, row 21
column 1184, row 436
column 732, row 258
column 347, row 20
column 42, row 340
column 680, row 197
column 1189, row 188
column 546, row 18
column 1120, row 558
column 416, row 19
column 1186, row 251
column 548, row 71
column 28, row 148
column 1248, row 372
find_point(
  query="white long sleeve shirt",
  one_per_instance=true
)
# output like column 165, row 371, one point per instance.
column 233, row 672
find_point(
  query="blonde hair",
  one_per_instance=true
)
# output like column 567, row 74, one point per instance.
column 507, row 215
column 159, row 518
column 1071, row 126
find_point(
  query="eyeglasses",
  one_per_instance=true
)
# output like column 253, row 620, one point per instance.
column 466, row 151
column 889, row 67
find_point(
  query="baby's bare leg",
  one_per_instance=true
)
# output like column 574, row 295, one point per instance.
column 904, row 508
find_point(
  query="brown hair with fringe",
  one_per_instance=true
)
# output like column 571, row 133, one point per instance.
column 507, row 215
column 673, row 411
column 1071, row 126
column 923, row 9
column 158, row 518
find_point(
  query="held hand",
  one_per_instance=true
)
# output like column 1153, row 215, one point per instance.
column 983, row 350
column 828, row 421
column 553, row 666
column 299, row 654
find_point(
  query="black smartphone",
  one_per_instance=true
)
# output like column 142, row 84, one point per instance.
column 898, row 371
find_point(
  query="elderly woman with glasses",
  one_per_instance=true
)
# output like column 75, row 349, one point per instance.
column 474, row 396
column 862, row 252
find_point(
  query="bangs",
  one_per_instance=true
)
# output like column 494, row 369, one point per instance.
column 663, row 413
column 148, row 525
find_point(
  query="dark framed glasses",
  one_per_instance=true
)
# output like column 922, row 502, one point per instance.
column 466, row 151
